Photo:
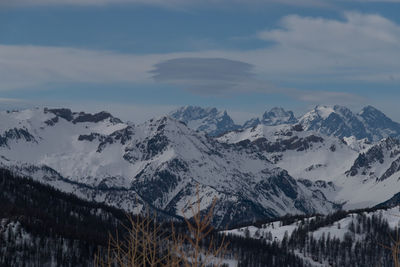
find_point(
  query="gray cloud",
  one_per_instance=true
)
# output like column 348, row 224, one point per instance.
column 204, row 75
column 29, row 66
column 220, row 76
column 306, row 50
column 360, row 47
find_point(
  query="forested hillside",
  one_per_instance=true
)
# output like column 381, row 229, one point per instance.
column 41, row 226
column 354, row 238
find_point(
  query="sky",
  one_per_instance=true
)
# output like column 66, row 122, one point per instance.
column 143, row 58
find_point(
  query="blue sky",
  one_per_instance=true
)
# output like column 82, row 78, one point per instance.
column 140, row 58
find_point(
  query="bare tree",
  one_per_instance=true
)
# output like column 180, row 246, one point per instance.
column 394, row 248
column 147, row 243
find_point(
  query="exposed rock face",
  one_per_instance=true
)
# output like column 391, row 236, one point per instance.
column 208, row 120
column 347, row 171
column 278, row 116
column 336, row 121
column 341, row 122
column 16, row 134
column 251, row 123
column 255, row 173
column 61, row 112
column 161, row 162
column 76, row 117
column 87, row 117
column 383, row 153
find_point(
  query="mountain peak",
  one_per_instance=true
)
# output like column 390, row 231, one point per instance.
column 188, row 113
column 371, row 111
column 342, row 109
column 379, row 123
column 277, row 116
column 210, row 120
column 370, row 108
column 323, row 110
column 340, row 121
column 251, row 123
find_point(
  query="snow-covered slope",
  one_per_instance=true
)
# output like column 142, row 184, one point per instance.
column 209, row 120
column 276, row 116
column 304, row 154
column 260, row 172
column 275, row 231
column 340, row 121
column 355, row 238
column 161, row 162
column 353, row 172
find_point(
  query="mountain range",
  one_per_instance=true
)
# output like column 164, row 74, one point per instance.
column 336, row 120
column 326, row 160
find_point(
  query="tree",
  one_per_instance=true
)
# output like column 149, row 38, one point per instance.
column 149, row 244
column 247, row 232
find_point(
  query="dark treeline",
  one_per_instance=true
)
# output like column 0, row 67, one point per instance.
column 41, row 226
column 362, row 245
column 289, row 218
column 259, row 253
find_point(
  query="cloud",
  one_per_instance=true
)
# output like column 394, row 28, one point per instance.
column 360, row 32
column 334, row 50
column 360, row 47
column 220, row 76
column 26, row 66
column 305, row 50
column 204, row 75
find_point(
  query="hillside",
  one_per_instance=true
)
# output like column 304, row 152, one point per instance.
column 354, row 238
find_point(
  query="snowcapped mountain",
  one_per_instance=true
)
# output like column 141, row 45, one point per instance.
column 276, row 116
column 378, row 124
column 259, row 172
column 337, row 121
column 353, row 172
column 304, row 154
column 209, row 120
column 161, row 162
column 340, row 121
column 373, row 176
column 251, row 123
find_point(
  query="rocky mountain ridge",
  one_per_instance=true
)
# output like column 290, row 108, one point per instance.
column 339, row 121
column 161, row 163
column 260, row 172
